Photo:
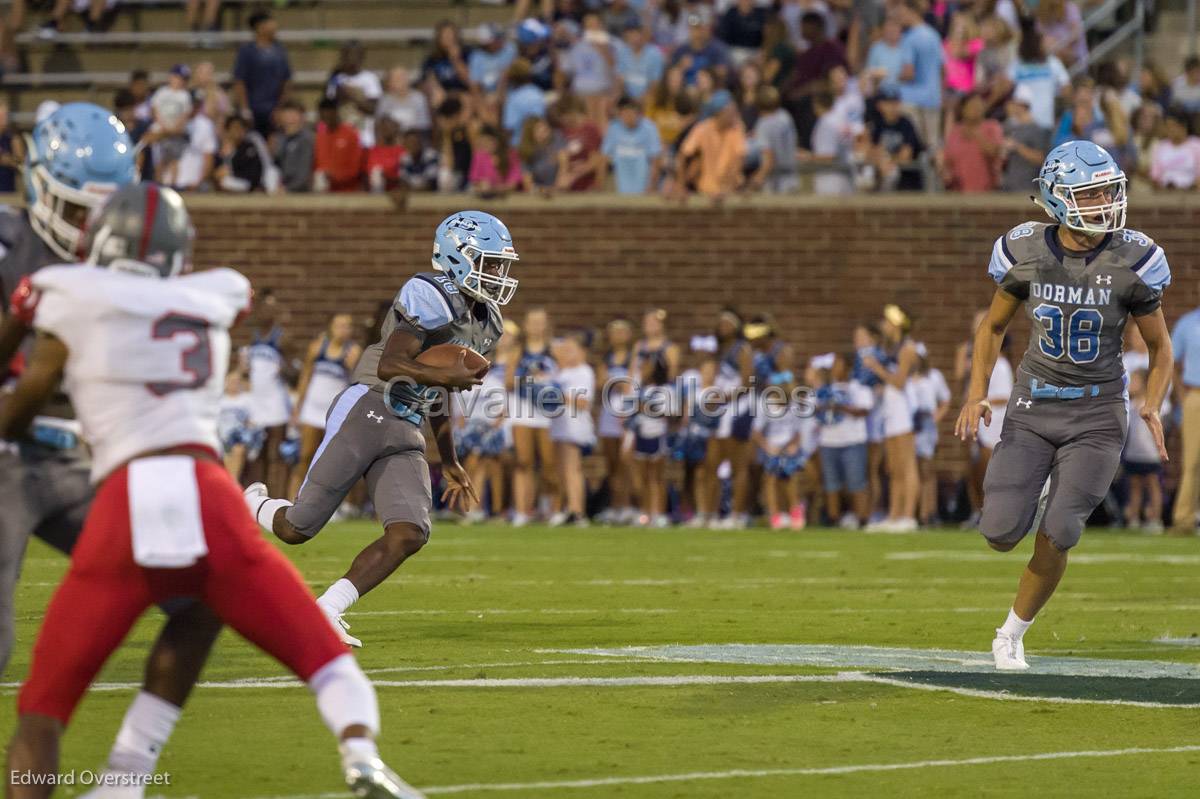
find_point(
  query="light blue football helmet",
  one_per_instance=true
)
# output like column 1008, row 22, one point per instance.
column 75, row 159
column 476, row 250
column 1083, row 188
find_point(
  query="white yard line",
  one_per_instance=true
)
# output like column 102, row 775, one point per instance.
column 745, row 774
column 979, row 693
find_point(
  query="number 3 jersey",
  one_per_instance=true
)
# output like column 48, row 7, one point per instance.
column 146, row 358
column 1078, row 302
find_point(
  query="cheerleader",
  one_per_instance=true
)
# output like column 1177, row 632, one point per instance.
column 866, row 346
column 696, row 426
column 731, row 441
column 931, row 400
column 271, row 406
column 900, row 454
column 326, row 373
column 240, row 439
column 778, row 438
column 615, row 376
column 484, row 437
column 656, row 367
column 572, row 428
column 532, row 372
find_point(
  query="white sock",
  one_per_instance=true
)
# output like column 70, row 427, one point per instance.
column 144, row 732
column 356, row 750
column 339, row 596
column 266, row 510
column 345, row 697
column 1014, row 626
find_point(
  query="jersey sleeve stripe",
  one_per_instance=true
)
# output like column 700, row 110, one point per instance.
column 1150, row 253
column 1001, row 261
column 1155, row 273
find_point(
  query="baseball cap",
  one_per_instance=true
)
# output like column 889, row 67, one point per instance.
column 888, row 91
column 182, row 71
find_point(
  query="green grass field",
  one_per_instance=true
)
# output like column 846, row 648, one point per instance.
column 506, row 667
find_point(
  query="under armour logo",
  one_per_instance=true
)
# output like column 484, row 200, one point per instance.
column 487, row 342
column 1103, row 280
column 374, row 417
column 1024, row 403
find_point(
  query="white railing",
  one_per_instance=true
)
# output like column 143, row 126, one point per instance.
column 1134, row 28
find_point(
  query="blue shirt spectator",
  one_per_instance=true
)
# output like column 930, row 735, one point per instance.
column 886, row 54
column 631, row 144
column 639, row 65
column 262, row 71
column 488, row 63
column 1185, row 341
column 701, row 51
column 524, row 101
column 922, row 48
column 589, row 62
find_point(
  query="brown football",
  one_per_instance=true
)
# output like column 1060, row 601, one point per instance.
column 448, row 355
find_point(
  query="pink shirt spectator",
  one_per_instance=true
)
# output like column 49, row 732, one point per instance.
column 960, row 72
column 969, row 168
column 1175, row 166
column 484, row 169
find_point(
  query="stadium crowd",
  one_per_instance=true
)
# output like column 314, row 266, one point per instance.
column 672, row 97
column 637, row 424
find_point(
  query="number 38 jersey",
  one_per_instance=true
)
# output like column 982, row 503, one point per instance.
column 1078, row 303
column 146, row 358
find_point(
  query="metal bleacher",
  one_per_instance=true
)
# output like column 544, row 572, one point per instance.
column 150, row 34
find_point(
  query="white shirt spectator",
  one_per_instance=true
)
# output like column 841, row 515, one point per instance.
column 575, row 425
column 1045, row 80
column 368, row 83
column 411, row 111
column 171, row 106
column 1175, row 166
column 845, row 430
column 202, row 141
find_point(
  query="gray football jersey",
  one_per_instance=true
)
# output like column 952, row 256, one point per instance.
column 1078, row 303
column 22, row 251
column 431, row 308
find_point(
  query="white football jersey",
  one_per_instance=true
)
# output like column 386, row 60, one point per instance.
column 147, row 358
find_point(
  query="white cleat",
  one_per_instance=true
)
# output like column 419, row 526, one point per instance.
column 1009, row 653
column 340, row 626
column 370, row 778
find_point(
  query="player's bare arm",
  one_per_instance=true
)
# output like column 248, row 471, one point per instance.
column 459, row 494
column 988, row 340
column 399, row 361
column 38, row 382
column 1153, row 327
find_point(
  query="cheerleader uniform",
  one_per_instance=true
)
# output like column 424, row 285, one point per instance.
column 650, row 431
column 527, row 408
column 269, row 402
column 330, row 377
column 738, row 419
column 610, row 424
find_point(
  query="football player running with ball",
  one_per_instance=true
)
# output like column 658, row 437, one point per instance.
column 1080, row 279
column 374, row 426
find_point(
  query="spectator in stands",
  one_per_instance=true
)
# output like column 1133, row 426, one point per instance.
column 539, row 149
column 962, row 48
column 1025, row 143
column 420, row 163
column 97, row 16
column 591, row 67
column 633, row 149
column 701, row 51
column 171, row 105
column 533, row 44
column 639, row 64
column 885, row 58
column 1185, row 89
column 338, row 161
column 206, row 90
column 774, row 142
column 829, row 152
column 1147, row 130
column 1044, row 74
column 454, row 146
column 896, row 144
column 444, row 71
column 580, row 163
column 125, row 109
column 523, row 99
column 487, row 63
column 262, row 73
column 356, row 90
column 719, row 144
column 742, row 28
column 974, row 151
column 199, row 160
column 619, row 15
column 662, row 107
column 495, row 165
column 1185, row 343
column 9, row 162
column 778, row 53
column 206, row 21
column 1175, row 158
column 921, row 70
column 812, row 67
column 241, row 166
column 991, row 65
column 294, row 146
column 139, row 88
column 1061, row 25
column 867, row 17
column 400, row 102
column 745, row 92
column 383, row 157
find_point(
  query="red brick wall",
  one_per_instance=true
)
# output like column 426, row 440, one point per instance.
column 819, row 267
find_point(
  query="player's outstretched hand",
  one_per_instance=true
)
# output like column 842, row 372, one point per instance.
column 1154, row 422
column 459, row 494
column 967, row 426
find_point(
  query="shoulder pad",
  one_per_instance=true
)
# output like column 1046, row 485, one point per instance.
column 448, row 289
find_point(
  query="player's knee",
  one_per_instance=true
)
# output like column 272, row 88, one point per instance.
column 299, row 523
column 1004, row 529
column 1002, row 546
column 405, row 538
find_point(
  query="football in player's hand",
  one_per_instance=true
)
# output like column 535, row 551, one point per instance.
column 447, row 355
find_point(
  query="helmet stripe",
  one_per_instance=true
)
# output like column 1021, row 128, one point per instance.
column 148, row 220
